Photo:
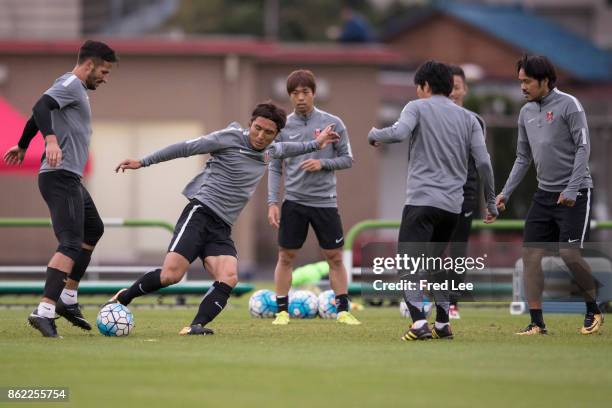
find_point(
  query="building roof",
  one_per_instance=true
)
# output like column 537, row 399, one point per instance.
column 371, row 54
column 524, row 30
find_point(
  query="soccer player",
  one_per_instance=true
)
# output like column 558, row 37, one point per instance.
column 461, row 235
column 63, row 116
column 217, row 195
column 310, row 196
column 553, row 133
column 442, row 136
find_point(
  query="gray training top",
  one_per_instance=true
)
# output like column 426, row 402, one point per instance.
column 442, row 137
column 71, row 123
column 554, row 134
column 318, row 188
column 230, row 176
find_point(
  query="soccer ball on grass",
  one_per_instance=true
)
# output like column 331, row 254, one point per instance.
column 115, row 320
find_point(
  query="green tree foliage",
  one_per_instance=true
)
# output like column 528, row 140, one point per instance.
column 298, row 20
column 307, row 21
column 237, row 17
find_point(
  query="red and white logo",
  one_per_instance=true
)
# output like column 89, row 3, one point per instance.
column 549, row 116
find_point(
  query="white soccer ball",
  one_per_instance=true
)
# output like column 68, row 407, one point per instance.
column 427, row 307
column 115, row 320
column 263, row 304
column 327, row 305
column 303, row 304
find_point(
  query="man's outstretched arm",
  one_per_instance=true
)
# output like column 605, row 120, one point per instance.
column 400, row 130
column 283, row 150
column 202, row 145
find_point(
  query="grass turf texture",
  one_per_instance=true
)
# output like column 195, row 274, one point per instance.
column 249, row 362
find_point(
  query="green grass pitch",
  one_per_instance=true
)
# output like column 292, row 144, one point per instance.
column 251, row 363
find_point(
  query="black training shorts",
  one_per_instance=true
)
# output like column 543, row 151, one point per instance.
column 199, row 232
column 294, row 222
column 548, row 221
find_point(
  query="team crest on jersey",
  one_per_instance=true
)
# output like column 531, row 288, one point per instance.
column 549, row 116
column 266, row 156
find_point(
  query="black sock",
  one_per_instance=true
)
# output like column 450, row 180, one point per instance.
column 54, row 284
column 441, row 314
column 213, row 303
column 591, row 307
column 415, row 312
column 536, row 317
column 282, row 302
column 147, row 283
column 342, row 303
column 80, row 265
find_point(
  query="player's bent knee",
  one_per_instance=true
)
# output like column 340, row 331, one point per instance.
column 93, row 233
column 532, row 256
column 229, row 279
column 168, row 278
column 70, row 247
column 171, row 275
column 286, row 257
column 570, row 255
column 334, row 257
column 227, row 274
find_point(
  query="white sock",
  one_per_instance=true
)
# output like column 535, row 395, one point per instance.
column 69, row 296
column 46, row 310
column 439, row 325
column 419, row 323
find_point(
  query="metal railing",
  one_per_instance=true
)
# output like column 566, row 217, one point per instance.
column 499, row 225
column 108, row 222
column 96, row 286
column 94, row 270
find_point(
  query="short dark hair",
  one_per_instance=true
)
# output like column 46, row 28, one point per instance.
column 538, row 67
column 437, row 75
column 96, row 50
column 457, row 70
column 301, row 77
column 270, row 111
